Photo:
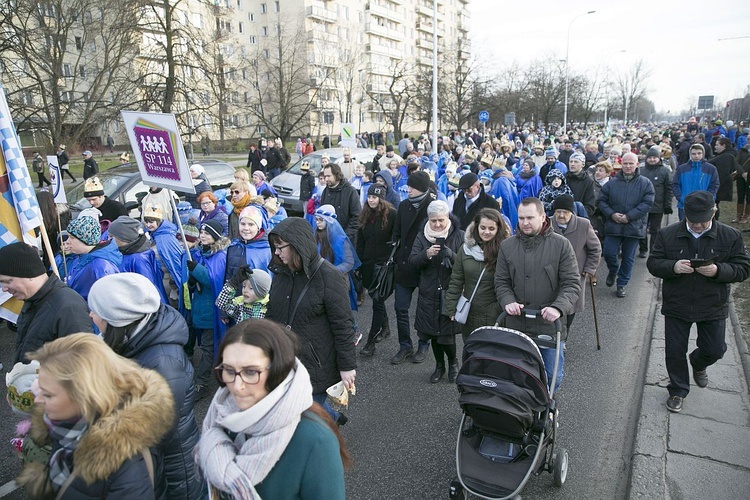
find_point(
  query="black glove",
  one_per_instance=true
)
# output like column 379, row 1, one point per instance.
column 238, row 278
column 191, row 265
column 667, row 210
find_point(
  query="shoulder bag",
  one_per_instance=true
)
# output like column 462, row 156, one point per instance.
column 464, row 305
column 384, row 278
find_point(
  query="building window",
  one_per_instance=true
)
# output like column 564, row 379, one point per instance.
column 253, row 39
column 198, row 20
column 328, row 117
column 265, row 54
column 276, row 6
column 79, row 43
column 259, row 129
column 82, row 71
column 67, row 71
column 247, row 97
column 239, row 4
column 251, row 17
column 264, row 31
column 263, row 8
column 241, row 27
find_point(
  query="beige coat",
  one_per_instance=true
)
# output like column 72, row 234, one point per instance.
column 587, row 248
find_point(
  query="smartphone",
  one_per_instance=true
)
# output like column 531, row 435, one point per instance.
column 694, row 263
column 440, row 241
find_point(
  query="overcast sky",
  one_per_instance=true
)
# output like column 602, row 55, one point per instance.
column 678, row 41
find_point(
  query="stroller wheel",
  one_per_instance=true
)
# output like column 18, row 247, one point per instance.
column 456, row 491
column 560, row 464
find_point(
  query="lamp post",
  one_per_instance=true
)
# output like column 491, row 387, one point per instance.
column 567, row 66
column 434, row 75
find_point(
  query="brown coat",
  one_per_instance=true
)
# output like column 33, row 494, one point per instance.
column 587, row 248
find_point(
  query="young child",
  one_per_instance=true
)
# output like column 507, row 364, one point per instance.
column 554, row 188
column 255, row 284
column 358, row 177
column 366, row 183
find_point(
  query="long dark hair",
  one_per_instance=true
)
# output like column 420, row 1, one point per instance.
column 370, row 215
column 492, row 247
column 295, row 260
column 326, row 251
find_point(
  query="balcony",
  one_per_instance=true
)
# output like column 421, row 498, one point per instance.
column 424, row 43
column 425, row 60
column 316, row 36
column 426, row 10
column 378, row 10
column 376, row 29
column 383, row 50
column 321, row 14
column 424, row 26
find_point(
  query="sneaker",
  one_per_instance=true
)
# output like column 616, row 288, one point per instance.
column 674, row 404
column 357, row 337
column 421, row 354
column 342, row 420
column 620, row 291
column 643, row 254
column 700, row 377
column 368, row 349
column 611, row 277
column 401, row 355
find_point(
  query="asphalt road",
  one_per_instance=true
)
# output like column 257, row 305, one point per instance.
column 402, row 429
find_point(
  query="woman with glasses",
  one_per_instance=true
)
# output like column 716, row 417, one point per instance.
column 242, row 193
column 127, row 309
column 263, row 437
column 211, row 210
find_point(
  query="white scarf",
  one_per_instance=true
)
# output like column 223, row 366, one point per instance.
column 264, row 431
column 432, row 235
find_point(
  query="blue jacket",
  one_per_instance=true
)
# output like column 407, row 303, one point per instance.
column 139, row 258
column 255, row 253
column 170, row 250
column 694, row 176
column 632, row 198
column 219, row 215
column 390, row 194
column 505, row 189
column 104, row 259
column 209, row 272
column 528, row 187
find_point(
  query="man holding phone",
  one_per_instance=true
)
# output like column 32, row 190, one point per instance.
column 697, row 258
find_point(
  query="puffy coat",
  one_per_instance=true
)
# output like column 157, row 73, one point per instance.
column 694, row 297
column 466, row 270
column 54, row 311
column 660, row 177
column 537, row 271
column 255, row 253
column 108, row 462
column 725, row 163
column 587, row 248
column 138, row 257
column 159, row 347
column 219, row 215
column 201, row 185
column 306, row 185
column 633, row 198
column 104, row 259
column 434, row 278
column 409, row 222
column 209, row 271
column 323, row 321
column 373, row 247
column 694, row 176
column 90, row 168
column 169, row 250
column 464, row 217
column 345, row 199
column 583, row 190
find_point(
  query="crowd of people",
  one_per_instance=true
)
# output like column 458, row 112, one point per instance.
column 267, row 304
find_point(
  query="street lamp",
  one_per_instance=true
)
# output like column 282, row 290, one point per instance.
column 567, row 65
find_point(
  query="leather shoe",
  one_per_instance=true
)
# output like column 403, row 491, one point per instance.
column 452, row 371
column 620, row 291
column 421, row 354
column 700, row 377
column 384, row 333
column 401, row 355
column 674, row 404
column 611, row 277
column 437, row 374
column 643, row 254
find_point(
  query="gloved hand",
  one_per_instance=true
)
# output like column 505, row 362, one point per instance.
column 668, row 210
column 191, row 265
column 238, row 278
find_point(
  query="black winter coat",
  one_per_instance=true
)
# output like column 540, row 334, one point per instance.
column 464, row 217
column 90, row 168
column 53, row 312
column 159, row 346
column 725, row 163
column 434, row 278
column 253, row 161
column 632, row 198
column 409, row 223
column 273, row 159
column 345, row 199
column 323, row 321
column 660, row 177
column 583, row 190
column 373, row 245
column 694, row 297
column 111, row 209
column 306, row 185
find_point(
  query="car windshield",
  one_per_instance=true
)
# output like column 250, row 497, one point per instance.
column 314, row 159
column 110, row 182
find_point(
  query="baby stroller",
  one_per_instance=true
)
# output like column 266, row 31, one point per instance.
column 509, row 421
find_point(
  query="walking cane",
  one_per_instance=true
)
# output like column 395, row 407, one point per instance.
column 593, row 305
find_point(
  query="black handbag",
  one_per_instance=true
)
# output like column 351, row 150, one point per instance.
column 384, row 278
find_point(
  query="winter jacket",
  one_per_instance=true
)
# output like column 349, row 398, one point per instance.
column 683, row 151
column 434, row 278
column 323, row 321
column 306, row 185
column 158, row 345
column 633, row 198
column 219, row 215
column 587, row 248
column 169, row 250
column 253, row 160
column 201, row 187
column 465, row 217
column 537, row 271
column 409, row 222
column 504, row 189
column 111, row 209
column 108, row 462
column 583, row 190
column 209, row 271
column 694, row 176
column 345, row 199
column 256, row 254
column 390, row 194
column 90, row 168
column 660, row 177
column 62, row 159
column 104, row 259
column 528, row 185
column 373, row 245
column 138, row 257
column 54, row 311
column 725, row 163
column 273, row 160
column 466, row 270
column 549, row 193
column 694, row 297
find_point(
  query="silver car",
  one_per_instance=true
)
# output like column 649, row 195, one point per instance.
column 287, row 184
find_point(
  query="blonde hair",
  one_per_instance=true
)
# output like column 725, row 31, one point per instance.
column 244, row 186
column 94, row 377
column 241, row 174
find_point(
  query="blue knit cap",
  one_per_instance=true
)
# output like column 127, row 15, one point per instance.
column 86, row 229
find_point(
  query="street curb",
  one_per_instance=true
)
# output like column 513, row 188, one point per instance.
column 740, row 340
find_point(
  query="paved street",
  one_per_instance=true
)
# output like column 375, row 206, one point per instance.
column 402, row 429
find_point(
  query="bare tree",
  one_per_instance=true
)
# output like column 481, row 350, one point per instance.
column 460, row 80
column 545, row 91
column 586, row 94
column 396, row 100
column 632, row 86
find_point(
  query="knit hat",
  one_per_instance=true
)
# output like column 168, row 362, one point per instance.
column 305, row 166
column 419, row 180
column 564, row 202
column 212, row 227
column 578, row 156
column 86, row 229
column 550, row 152
column 191, row 232
column 259, row 174
column 260, row 281
column 197, row 168
column 123, row 298
column 697, row 146
column 388, row 148
column 125, row 229
column 654, row 151
column 153, row 212
column 20, row 260
column 93, row 187
column 376, row 190
column 253, row 213
column 467, row 180
column 699, row 206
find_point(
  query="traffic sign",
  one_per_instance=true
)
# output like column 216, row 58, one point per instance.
column 484, row 116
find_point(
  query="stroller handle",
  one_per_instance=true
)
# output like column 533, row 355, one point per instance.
column 531, row 314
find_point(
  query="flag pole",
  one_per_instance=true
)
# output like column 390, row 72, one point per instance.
column 48, row 248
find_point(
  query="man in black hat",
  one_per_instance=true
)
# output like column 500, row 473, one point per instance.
column 51, row 310
column 471, row 199
column 697, row 258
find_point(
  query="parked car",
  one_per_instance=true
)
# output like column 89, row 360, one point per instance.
column 123, row 183
column 287, row 184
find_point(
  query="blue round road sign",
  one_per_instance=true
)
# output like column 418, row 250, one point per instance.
column 484, row 116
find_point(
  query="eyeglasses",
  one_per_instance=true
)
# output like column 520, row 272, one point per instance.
column 248, row 375
column 237, row 191
column 282, row 247
column 207, row 202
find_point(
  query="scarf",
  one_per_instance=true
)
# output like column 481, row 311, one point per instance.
column 263, row 432
column 474, row 251
column 240, row 205
column 417, row 200
column 432, row 236
column 68, row 433
column 527, row 175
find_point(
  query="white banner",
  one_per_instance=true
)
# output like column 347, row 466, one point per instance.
column 57, row 187
column 348, row 136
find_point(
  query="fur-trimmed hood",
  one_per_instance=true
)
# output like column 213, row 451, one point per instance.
column 144, row 416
